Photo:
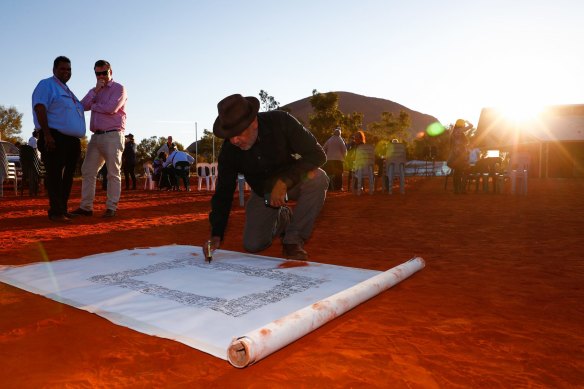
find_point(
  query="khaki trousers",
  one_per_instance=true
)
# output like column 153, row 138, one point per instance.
column 102, row 148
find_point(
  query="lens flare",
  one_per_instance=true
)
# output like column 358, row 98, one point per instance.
column 435, row 129
column 42, row 251
column 49, row 269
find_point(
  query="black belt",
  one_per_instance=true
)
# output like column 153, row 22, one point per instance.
column 100, row 132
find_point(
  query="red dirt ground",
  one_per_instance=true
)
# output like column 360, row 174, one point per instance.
column 499, row 304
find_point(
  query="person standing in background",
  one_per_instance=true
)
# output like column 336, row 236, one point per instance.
column 32, row 141
column 178, row 163
column 107, row 102
column 336, row 151
column 58, row 116
column 474, row 154
column 166, row 147
column 458, row 158
column 129, row 161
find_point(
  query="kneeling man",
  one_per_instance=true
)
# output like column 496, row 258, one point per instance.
column 280, row 159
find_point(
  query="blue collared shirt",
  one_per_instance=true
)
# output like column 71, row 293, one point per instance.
column 64, row 111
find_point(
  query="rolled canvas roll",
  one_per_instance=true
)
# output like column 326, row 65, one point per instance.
column 257, row 344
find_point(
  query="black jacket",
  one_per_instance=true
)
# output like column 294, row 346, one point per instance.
column 284, row 149
column 129, row 154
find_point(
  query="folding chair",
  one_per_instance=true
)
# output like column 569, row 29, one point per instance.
column 363, row 165
column 213, row 172
column 7, row 172
column 395, row 160
column 31, row 170
column 519, row 171
column 148, row 171
column 204, row 171
column 241, row 186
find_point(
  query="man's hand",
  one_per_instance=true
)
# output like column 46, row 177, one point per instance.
column 49, row 141
column 41, row 112
column 210, row 246
column 99, row 85
column 278, row 195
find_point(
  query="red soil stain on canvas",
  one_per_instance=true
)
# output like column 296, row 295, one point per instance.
column 498, row 304
column 289, row 264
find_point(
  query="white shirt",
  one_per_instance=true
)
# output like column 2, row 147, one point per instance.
column 474, row 156
column 32, row 142
column 162, row 148
column 178, row 156
column 335, row 148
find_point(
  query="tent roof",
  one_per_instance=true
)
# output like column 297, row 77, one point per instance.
column 553, row 124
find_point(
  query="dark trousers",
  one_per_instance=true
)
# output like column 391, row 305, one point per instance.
column 182, row 170
column 459, row 181
column 129, row 173
column 334, row 169
column 60, row 165
column 168, row 179
column 260, row 220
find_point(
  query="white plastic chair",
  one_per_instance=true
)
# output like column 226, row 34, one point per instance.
column 242, row 186
column 204, row 171
column 213, row 169
column 148, row 171
column 7, row 172
column 395, row 159
column 364, row 162
column 519, row 171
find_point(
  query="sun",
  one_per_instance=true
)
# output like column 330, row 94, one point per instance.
column 523, row 112
column 521, row 123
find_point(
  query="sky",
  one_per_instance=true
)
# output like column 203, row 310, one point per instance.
column 177, row 59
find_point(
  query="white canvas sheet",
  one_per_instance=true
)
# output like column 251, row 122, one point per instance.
column 171, row 292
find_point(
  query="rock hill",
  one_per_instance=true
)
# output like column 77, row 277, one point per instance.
column 371, row 107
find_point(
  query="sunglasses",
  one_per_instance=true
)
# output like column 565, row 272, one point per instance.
column 104, row 73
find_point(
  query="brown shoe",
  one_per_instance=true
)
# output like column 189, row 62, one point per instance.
column 109, row 213
column 294, row 251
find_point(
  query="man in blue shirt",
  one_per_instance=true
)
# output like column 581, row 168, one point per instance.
column 280, row 159
column 178, row 165
column 58, row 116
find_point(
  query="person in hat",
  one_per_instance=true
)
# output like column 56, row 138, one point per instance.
column 458, row 157
column 280, row 159
column 129, row 161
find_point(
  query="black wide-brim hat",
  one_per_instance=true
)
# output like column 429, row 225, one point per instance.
column 235, row 114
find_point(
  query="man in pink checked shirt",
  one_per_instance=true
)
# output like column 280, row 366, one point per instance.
column 107, row 102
